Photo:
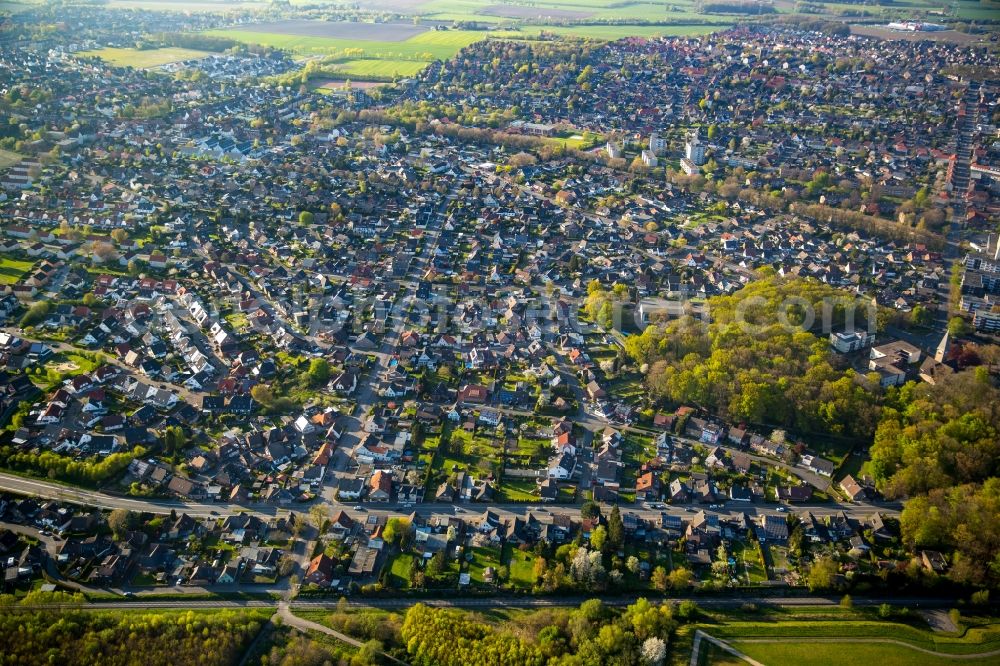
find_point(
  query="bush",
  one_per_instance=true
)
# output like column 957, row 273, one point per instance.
column 35, row 314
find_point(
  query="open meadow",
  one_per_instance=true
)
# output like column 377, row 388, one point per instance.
column 817, row 652
column 424, row 46
column 814, row 636
column 144, row 59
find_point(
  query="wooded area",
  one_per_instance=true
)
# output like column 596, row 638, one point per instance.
column 940, row 446
column 591, row 635
column 748, row 364
column 125, row 638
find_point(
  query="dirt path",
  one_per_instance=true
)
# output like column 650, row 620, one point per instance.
column 940, row 620
column 265, row 629
column 699, row 639
column 285, row 613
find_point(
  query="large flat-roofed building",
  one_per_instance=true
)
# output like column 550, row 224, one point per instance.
column 894, row 361
column 987, row 320
column 534, row 129
column 850, row 342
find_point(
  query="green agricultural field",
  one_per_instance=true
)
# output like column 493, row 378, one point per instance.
column 9, row 158
column 978, row 13
column 545, row 11
column 427, row 46
column 16, row 7
column 380, row 69
column 382, row 60
column 645, row 10
column 185, row 6
column 144, row 59
column 456, row 10
column 612, row 32
column 11, row 270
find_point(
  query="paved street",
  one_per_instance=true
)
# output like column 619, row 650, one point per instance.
column 183, row 393
column 365, row 395
column 48, row 490
column 450, row 601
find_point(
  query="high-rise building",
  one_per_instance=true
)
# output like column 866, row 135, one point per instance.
column 657, row 144
column 694, row 150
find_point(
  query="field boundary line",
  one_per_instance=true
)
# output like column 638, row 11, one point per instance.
column 700, row 636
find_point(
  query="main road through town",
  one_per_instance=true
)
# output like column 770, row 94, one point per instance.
column 713, row 601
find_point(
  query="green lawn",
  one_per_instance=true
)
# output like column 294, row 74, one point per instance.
column 9, row 158
column 804, row 653
column 976, row 640
column 518, row 490
column 146, row 58
column 238, row 321
column 12, row 270
column 748, row 562
column 399, row 571
column 481, row 559
column 453, row 463
column 709, row 654
column 576, row 141
column 83, row 363
column 143, row 580
column 521, row 565
column 779, row 558
column 628, row 387
column 431, row 441
column 528, row 445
